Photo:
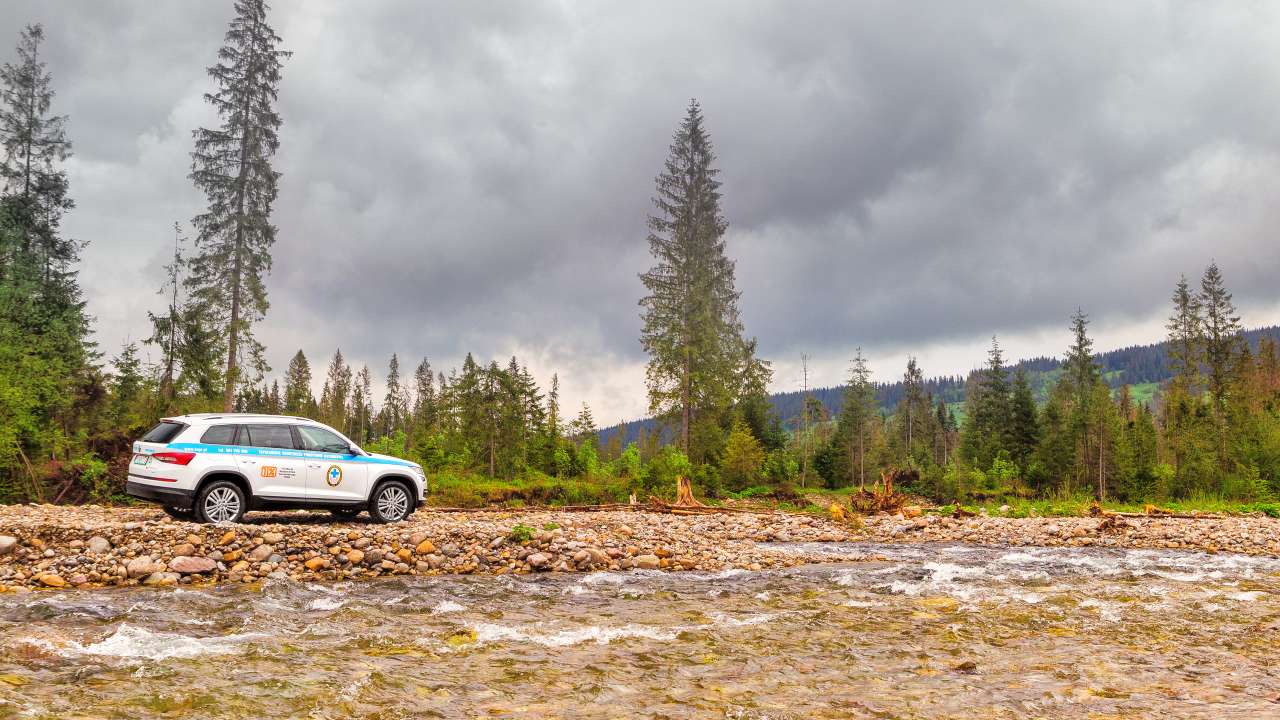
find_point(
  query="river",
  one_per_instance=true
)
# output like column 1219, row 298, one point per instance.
column 911, row 632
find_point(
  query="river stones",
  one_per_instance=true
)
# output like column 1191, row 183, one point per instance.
column 272, row 538
column 142, row 566
column 188, row 565
column 7, row 544
column 98, row 545
column 648, row 562
column 162, row 578
column 539, row 561
column 260, row 553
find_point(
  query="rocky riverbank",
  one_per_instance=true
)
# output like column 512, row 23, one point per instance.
column 58, row 546
column 1249, row 535
column 43, row 546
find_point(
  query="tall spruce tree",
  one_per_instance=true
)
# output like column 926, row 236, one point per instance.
column 394, row 406
column 987, row 411
column 1024, row 428
column 35, row 144
column 166, row 329
column 231, row 164
column 1221, row 331
column 297, row 387
column 337, row 392
column 857, row 412
column 692, row 330
column 1186, row 336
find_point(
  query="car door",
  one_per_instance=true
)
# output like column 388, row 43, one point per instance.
column 272, row 461
column 333, row 472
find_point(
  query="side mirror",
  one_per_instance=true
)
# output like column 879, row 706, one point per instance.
column 353, row 450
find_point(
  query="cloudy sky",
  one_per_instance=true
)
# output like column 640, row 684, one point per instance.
column 903, row 177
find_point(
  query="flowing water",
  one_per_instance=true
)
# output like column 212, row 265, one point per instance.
column 925, row 632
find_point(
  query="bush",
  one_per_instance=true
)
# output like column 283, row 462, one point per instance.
column 521, row 533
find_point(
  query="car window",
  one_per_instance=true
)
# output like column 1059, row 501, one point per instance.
column 269, row 436
column 163, row 433
column 316, row 438
column 219, row 435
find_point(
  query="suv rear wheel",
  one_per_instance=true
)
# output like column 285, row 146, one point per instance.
column 391, row 503
column 220, row 501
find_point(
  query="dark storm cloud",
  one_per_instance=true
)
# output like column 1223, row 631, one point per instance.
column 475, row 176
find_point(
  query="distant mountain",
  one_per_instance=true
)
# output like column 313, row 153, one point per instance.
column 1143, row 367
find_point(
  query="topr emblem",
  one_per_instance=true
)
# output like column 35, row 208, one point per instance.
column 334, row 476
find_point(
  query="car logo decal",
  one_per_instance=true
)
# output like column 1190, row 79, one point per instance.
column 334, row 476
column 268, row 471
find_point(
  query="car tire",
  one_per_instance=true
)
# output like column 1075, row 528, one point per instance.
column 346, row 513
column 220, row 501
column 179, row 513
column 391, row 502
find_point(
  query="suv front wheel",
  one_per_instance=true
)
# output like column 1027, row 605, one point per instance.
column 391, row 503
column 220, row 502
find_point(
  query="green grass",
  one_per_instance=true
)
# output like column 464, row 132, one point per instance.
column 1077, row 506
column 468, row 490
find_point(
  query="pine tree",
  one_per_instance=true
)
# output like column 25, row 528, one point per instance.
column 232, row 166
column 127, row 386
column 914, row 416
column 1079, row 370
column 337, row 392
column 554, row 430
column 1186, row 336
column 360, row 414
column 1024, row 430
column 35, row 143
column 856, row 414
column 391, row 418
column 297, row 387
column 1221, row 331
column 692, row 331
column 988, row 412
column 743, row 457
column 166, row 328
column 424, row 397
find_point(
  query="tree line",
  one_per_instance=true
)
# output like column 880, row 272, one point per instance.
column 67, row 415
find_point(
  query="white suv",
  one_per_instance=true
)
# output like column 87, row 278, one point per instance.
column 213, row 467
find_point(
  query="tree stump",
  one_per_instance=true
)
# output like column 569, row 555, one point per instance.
column 684, row 493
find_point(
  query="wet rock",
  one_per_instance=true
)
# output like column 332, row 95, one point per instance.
column 316, row 563
column 52, row 580
column 162, row 578
column 142, row 566
column 539, row 561
column 227, row 538
column 647, row 562
column 187, row 565
column 260, row 553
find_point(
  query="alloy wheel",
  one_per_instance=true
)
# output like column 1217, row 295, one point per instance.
column 222, row 504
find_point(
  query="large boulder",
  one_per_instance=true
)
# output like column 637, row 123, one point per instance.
column 98, row 545
column 142, row 566
column 188, row 565
column 8, row 544
column 648, row 562
column 261, row 553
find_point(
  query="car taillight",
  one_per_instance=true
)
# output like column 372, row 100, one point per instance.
column 174, row 458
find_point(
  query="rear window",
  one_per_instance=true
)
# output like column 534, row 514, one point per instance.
column 219, row 435
column 269, row 436
column 163, row 433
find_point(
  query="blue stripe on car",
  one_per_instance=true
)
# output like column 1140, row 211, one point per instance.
column 240, row 451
